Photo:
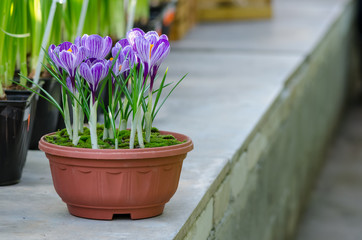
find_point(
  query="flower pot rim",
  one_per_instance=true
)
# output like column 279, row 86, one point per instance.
column 138, row 153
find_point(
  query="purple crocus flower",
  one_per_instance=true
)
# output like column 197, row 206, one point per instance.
column 151, row 49
column 125, row 60
column 97, row 46
column 94, row 71
column 159, row 51
column 67, row 57
column 54, row 51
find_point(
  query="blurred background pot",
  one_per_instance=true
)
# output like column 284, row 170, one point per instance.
column 46, row 117
column 16, row 120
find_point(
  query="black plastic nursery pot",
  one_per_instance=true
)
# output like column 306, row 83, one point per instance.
column 46, row 117
column 16, row 120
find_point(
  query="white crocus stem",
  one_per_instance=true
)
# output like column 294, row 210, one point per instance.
column 105, row 133
column 123, row 124
column 76, row 121
column 93, row 123
column 139, row 128
column 81, row 119
column 133, row 132
column 106, row 129
column 67, row 123
column 123, row 120
column 148, row 119
column 116, row 143
column 110, row 133
column 136, row 127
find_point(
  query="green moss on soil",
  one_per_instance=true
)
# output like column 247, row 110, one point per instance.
column 61, row 138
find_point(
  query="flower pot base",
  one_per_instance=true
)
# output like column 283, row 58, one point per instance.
column 8, row 183
column 107, row 214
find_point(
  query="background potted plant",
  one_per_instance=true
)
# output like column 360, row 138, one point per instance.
column 91, row 173
column 17, row 106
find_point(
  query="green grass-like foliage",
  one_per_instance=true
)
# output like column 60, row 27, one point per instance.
column 61, row 138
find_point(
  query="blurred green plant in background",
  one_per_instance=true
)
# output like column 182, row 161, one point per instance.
column 23, row 23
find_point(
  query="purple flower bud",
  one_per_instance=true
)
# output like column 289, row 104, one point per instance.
column 125, row 60
column 94, row 71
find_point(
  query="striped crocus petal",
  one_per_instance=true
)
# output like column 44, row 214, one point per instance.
column 115, row 69
column 71, row 85
column 67, row 59
column 85, row 72
column 143, row 49
column 152, row 37
column 54, row 52
column 81, row 55
column 159, row 52
column 80, row 41
column 64, row 46
column 97, row 46
column 71, row 59
column 99, row 73
column 126, row 58
column 116, row 49
column 121, row 44
column 129, row 59
column 164, row 36
column 133, row 34
column 142, row 52
column 53, row 56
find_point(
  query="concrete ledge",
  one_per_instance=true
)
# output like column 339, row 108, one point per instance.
column 260, row 102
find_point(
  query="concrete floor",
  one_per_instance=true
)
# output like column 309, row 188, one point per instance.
column 334, row 211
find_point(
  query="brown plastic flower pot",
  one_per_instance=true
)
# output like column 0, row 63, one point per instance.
column 98, row 183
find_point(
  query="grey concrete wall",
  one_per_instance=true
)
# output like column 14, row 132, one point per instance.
column 262, row 194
